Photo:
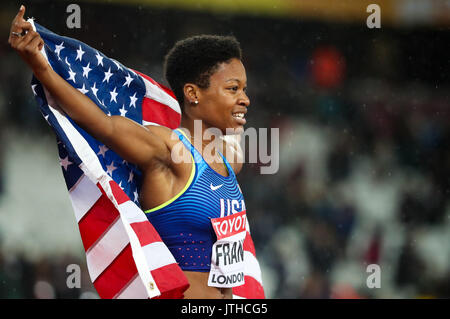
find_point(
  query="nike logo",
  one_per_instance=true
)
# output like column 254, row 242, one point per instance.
column 213, row 188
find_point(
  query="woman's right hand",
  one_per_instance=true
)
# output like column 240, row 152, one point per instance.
column 27, row 42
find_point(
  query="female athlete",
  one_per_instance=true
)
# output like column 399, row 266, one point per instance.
column 180, row 198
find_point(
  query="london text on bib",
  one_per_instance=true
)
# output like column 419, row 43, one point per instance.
column 227, row 261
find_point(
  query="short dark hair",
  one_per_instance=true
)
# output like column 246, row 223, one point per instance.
column 195, row 59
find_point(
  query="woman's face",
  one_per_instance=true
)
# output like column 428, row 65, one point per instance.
column 224, row 103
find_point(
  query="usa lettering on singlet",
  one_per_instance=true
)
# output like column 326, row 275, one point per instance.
column 227, row 261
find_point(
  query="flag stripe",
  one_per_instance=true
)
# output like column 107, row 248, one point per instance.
column 133, row 214
column 146, row 233
column 117, row 275
column 252, row 267
column 118, row 193
column 150, row 123
column 163, row 87
column 133, row 290
column 154, row 111
column 248, row 244
column 104, row 251
column 155, row 92
column 155, row 257
column 83, row 196
column 99, row 218
column 166, row 277
column 252, row 289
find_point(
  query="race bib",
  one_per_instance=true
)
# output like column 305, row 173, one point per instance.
column 227, row 261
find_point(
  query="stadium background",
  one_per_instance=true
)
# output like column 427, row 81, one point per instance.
column 364, row 141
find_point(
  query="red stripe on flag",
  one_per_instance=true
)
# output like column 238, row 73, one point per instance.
column 117, row 275
column 156, row 112
column 163, row 87
column 96, row 221
column 171, row 281
column 146, row 233
column 248, row 244
column 252, row 289
column 118, row 193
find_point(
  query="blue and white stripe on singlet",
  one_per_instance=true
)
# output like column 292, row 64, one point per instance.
column 184, row 222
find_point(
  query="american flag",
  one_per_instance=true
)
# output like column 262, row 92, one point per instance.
column 126, row 257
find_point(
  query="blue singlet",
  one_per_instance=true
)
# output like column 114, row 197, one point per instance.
column 184, row 222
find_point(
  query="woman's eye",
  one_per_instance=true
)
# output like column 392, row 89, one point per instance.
column 234, row 88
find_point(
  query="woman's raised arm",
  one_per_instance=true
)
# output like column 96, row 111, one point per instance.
column 133, row 142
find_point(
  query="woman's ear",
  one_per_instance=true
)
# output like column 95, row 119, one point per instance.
column 191, row 93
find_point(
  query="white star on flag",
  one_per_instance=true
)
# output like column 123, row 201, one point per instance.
column 83, row 90
column 103, row 150
column 136, row 196
column 113, row 95
column 128, row 80
column 65, row 162
column 99, row 59
column 123, row 111
column 72, row 76
column 86, row 70
column 58, row 48
column 130, row 177
column 110, row 168
column 133, row 100
column 94, row 90
column 108, row 74
column 80, row 53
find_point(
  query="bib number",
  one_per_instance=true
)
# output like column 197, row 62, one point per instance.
column 227, row 261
